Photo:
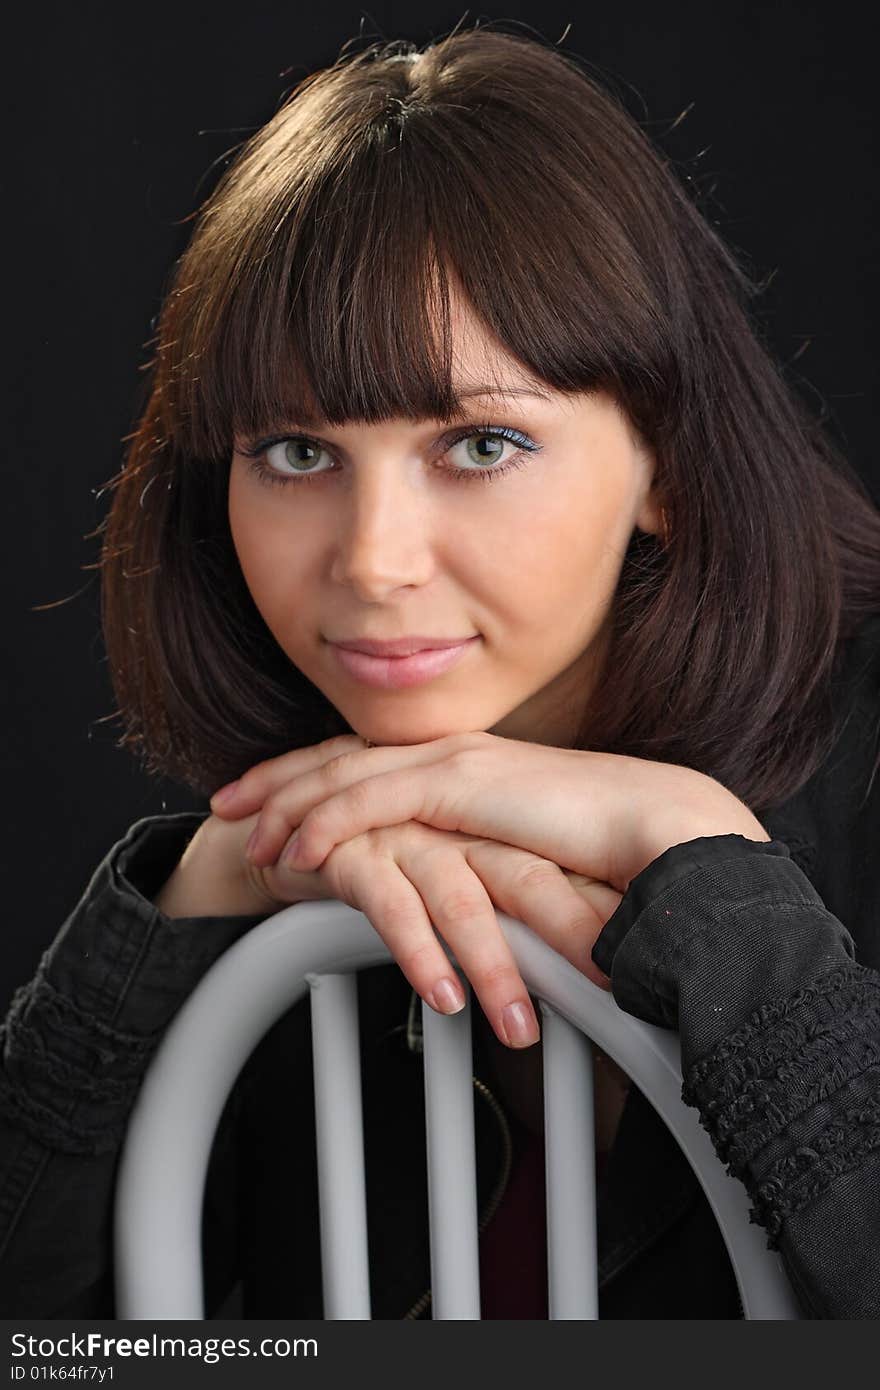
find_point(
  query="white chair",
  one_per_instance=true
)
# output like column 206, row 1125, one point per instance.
column 318, row 946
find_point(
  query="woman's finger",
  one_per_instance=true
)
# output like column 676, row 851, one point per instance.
column 461, row 910
column 540, row 894
column 324, row 817
column 246, row 795
column 604, row 898
column 347, row 776
column 375, row 885
column 264, row 780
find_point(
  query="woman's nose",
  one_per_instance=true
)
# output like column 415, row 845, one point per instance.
column 384, row 540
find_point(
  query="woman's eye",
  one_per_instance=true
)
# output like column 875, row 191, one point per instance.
column 479, row 451
column 292, row 456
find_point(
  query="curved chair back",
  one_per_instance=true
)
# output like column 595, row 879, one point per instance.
column 319, row 947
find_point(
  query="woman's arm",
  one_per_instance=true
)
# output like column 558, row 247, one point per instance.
column 727, row 940
column 75, row 1046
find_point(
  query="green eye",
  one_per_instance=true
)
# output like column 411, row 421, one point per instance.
column 292, row 450
column 484, row 448
column 486, row 445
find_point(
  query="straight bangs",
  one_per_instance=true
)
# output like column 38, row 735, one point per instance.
column 317, row 286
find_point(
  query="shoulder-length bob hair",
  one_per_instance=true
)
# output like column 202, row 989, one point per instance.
column 316, row 286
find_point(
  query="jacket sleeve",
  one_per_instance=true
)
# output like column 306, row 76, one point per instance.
column 726, row 940
column 73, row 1051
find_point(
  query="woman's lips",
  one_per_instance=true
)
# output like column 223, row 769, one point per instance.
column 397, row 672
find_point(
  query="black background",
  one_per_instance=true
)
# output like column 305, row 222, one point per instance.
column 118, row 119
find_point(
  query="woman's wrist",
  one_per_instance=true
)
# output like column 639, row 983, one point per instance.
column 180, row 897
column 706, row 809
column 211, row 880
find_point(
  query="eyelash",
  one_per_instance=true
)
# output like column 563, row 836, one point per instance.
column 265, row 474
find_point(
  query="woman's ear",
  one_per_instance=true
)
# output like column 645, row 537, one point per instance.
column 652, row 519
column 651, row 516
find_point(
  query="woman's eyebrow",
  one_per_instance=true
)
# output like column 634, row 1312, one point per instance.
column 493, row 391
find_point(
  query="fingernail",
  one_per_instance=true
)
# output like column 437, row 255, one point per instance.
column 447, row 997
column 291, row 849
column 224, row 794
column 520, row 1025
column 252, row 842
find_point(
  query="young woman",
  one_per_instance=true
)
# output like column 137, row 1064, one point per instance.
column 470, row 530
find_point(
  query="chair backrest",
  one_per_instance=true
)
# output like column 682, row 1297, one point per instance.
column 319, row 947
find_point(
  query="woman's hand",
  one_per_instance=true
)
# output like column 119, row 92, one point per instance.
column 602, row 815
column 404, row 878
column 409, row 879
column 214, row 877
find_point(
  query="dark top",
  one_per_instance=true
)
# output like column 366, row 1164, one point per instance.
column 764, row 956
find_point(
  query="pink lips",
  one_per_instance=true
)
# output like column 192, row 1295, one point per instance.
column 395, row 672
column 399, row 646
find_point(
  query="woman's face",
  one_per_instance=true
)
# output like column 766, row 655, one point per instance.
column 369, row 533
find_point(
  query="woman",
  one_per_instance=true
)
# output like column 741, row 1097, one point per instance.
column 431, row 269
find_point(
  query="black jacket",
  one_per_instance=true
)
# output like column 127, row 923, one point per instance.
column 764, row 956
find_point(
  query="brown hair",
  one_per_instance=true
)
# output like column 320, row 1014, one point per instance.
column 315, row 286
